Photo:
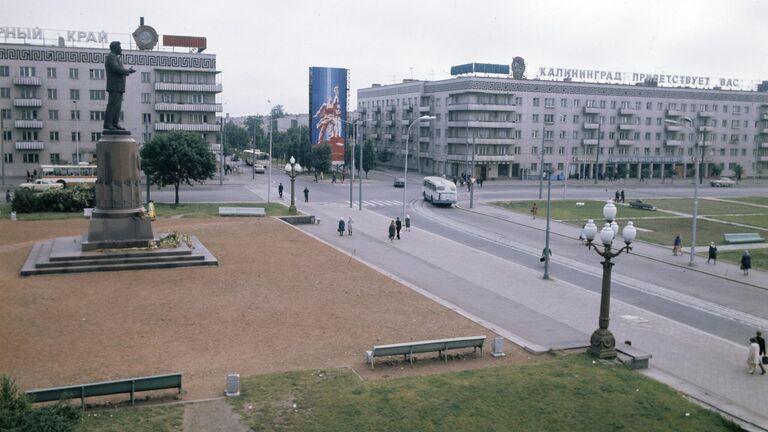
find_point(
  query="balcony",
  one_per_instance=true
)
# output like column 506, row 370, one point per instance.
column 480, row 158
column 28, row 124
column 391, row 108
column 706, row 128
column 30, row 145
column 673, row 143
column 591, row 110
column 627, row 111
column 388, row 137
column 425, row 139
column 673, row 128
column 762, row 158
column 28, row 103
column 389, row 122
column 187, row 107
column 674, row 113
column 481, row 124
column 482, row 107
column 589, row 141
column 27, row 81
column 627, row 126
column 214, row 148
column 373, row 136
column 424, row 108
column 197, row 88
column 705, row 114
column 764, row 144
column 764, row 116
column 763, row 131
column 626, row 142
column 408, row 108
column 591, row 126
column 191, row 127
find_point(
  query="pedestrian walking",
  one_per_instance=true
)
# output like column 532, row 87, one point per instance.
column 280, row 190
column 712, row 253
column 535, row 210
column 677, row 248
column 349, row 225
column 407, row 222
column 546, row 252
column 306, row 194
column 761, row 343
column 398, row 227
column 34, row 174
column 754, row 360
column 622, row 195
column 315, row 176
column 392, row 230
column 342, row 227
column 616, row 196
column 29, row 177
column 333, row 178
column 7, row 195
column 746, row 262
column 583, row 234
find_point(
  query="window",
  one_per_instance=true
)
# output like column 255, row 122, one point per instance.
column 8, row 158
column 649, row 106
column 5, row 114
column 534, row 150
column 29, row 135
column 27, row 71
column 648, row 121
column 146, row 118
column 602, row 104
column 564, row 103
column 518, row 101
column 536, row 102
column 51, row 72
column 30, row 158
column 167, row 118
column 549, row 118
column 145, row 77
column 74, row 115
column 146, row 98
column 53, row 114
column 575, row 119
column 53, row 136
column 576, row 103
column 29, row 114
column 55, row 158
column 74, row 73
column 549, row 135
column 563, row 135
column 95, row 136
column 549, row 102
column 535, row 133
column 4, row 71
column 5, row 92
column 75, row 136
column 725, row 108
column 96, row 74
column 613, row 104
column 197, row 98
column 575, row 135
column 53, row 94
column 737, row 109
column 535, row 118
column 28, row 93
column 74, row 94
column 735, row 124
column 98, row 94
column 97, row 116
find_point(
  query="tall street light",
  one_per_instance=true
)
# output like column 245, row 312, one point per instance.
column 405, row 170
column 547, row 252
column 597, row 150
column 541, row 170
column 602, row 342
column 2, row 146
column 360, row 180
column 688, row 124
column 292, row 168
column 77, row 133
column 269, row 173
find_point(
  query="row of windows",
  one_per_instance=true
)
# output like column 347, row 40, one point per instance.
column 728, row 138
column 99, row 74
column 74, row 94
column 638, row 105
column 52, row 136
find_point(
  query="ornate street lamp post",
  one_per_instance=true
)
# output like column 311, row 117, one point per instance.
column 602, row 342
column 292, row 168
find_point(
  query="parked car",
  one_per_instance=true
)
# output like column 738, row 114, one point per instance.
column 258, row 169
column 41, row 185
column 638, row 204
column 399, row 182
column 722, row 182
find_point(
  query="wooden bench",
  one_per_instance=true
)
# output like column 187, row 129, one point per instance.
column 743, row 238
column 104, row 388
column 242, row 211
column 637, row 359
column 408, row 349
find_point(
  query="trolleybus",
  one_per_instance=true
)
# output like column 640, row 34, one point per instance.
column 439, row 191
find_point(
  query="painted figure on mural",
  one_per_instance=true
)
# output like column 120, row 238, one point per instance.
column 329, row 114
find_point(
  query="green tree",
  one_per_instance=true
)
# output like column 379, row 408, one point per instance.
column 177, row 157
column 17, row 414
column 235, row 138
column 321, row 158
column 715, row 170
column 277, row 112
column 738, row 171
column 369, row 157
column 384, row 155
column 255, row 129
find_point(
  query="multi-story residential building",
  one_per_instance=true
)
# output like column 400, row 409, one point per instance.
column 511, row 128
column 52, row 100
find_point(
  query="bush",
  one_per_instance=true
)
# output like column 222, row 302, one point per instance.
column 70, row 199
column 17, row 414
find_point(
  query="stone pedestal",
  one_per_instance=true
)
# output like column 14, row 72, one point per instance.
column 118, row 219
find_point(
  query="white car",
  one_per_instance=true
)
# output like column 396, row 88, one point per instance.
column 41, row 185
column 722, row 182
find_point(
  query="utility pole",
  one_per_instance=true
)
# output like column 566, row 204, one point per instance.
column 471, row 175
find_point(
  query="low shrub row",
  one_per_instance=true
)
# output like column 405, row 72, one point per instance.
column 69, row 199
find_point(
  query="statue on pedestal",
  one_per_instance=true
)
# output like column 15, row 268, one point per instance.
column 116, row 74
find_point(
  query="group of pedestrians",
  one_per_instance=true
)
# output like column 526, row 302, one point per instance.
column 619, row 196
column 345, row 226
column 396, row 226
column 756, row 356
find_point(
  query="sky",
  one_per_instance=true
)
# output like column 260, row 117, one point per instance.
column 265, row 48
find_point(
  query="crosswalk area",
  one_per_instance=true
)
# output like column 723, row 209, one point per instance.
column 378, row 203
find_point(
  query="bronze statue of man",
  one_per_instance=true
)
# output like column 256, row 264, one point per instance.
column 116, row 74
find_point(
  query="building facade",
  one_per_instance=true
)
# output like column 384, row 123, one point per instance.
column 52, row 101
column 512, row 128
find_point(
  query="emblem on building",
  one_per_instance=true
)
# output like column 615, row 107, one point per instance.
column 145, row 37
column 518, row 68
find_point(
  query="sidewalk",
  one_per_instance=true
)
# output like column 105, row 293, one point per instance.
column 538, row 314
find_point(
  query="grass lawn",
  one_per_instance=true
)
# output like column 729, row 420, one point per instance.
column 706, row 207
column 568, row 210
column 571, row 393
column 753, row 200
column 759, row 257
column 754, row 220
column 158, row 418
column 663, row 231
column 191, row 210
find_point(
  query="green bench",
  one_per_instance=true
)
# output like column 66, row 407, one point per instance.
column 408, row 349
column 743, row 238
column 104, row 388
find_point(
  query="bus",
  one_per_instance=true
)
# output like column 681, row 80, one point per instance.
column 249, row 156
column 439, row 191
column 70, row 174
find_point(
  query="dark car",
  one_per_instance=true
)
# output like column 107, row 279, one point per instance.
column 399, row 182
column 638, row 204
